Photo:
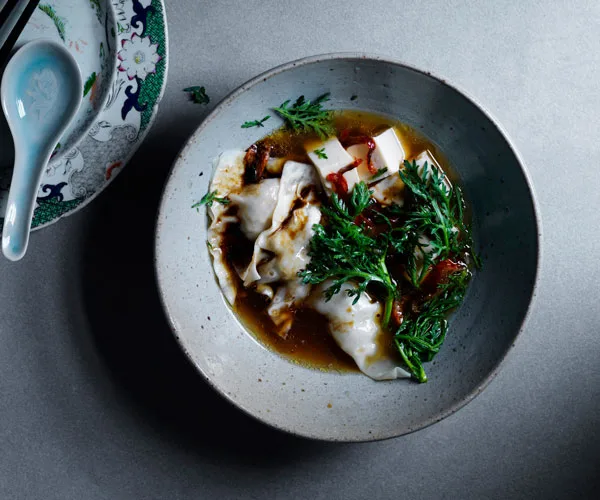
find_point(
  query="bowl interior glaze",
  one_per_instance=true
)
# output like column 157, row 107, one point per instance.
column 352, row 407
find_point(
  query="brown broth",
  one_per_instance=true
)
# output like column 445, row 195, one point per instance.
column 309, row 342
column 292, row 145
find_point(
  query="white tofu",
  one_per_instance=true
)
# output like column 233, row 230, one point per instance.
column 389, row 190
column 337, row 158
column 359, row 152
column 421, row 252
column 389, row 152
column 425, row 156
column 352, row 179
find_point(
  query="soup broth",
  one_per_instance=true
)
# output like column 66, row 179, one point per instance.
column 309, row 342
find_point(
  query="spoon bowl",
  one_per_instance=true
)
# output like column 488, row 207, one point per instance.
column 41, row 93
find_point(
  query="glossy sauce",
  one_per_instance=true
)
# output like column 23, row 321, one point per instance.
column 309, row 342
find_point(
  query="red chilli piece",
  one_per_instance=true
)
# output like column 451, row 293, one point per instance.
column 370, row 220
column 364, row 221
column 340, row 186
column 439, row 274
column 348, row 141
column 344, row 134
column 397, row 314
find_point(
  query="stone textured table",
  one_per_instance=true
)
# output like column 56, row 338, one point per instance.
column 96, row 400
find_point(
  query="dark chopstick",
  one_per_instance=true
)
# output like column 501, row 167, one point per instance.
column 7, row 10
column 16, row 31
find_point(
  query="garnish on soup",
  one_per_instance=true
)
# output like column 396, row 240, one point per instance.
column 341, row 242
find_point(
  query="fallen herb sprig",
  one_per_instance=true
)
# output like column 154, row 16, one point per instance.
column 255, row 123
column 209, row 198
column 198, row 94
column 307, row 116
column 321, row 153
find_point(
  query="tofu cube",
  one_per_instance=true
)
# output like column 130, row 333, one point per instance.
column 352, row 179
column 424, row 157
column 359, row 152
column 332, row 157
column 388, row 154
column 420, row 252
column 389, row 191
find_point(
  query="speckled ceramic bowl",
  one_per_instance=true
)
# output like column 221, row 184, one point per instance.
column 352, row 407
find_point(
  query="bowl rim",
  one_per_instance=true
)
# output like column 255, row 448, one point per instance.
column 358, row 56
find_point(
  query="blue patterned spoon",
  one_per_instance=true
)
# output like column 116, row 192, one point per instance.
column 41, row 92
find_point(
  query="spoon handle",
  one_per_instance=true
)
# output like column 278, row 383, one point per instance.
column 24, row 187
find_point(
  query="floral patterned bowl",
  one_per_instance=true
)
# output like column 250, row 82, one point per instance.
column 121, row 49
column 87, row 29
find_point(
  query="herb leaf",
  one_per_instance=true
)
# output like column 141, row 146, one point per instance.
column 255, row 123
column 379, row 173
column 419, row 338
column 198, row 94
column 321, row 153
column 428, row 234
column 307, row 116
column 434, row 220
column 209, row 198
column 360, row 199
column 343, row 252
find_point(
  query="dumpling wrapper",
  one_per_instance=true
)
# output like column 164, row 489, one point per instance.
column 280, row 310
column 291, row 244
column 282, row 250
column 227, row 180
column 227, row 281
column 256, row 203
column 356, row 329
column 287, row 244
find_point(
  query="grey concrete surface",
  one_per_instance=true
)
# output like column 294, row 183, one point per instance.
column 97, row 402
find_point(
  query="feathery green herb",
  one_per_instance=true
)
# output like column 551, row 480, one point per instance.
column 209, row 198
column 255, row 123
column 434, row 224
column 419, row 338
column 321, row 153
column 307, row 116
column 343, row 251
column 198, row 94
column 428, row 230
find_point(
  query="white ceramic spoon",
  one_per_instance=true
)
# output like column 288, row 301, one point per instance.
column 41, row 92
